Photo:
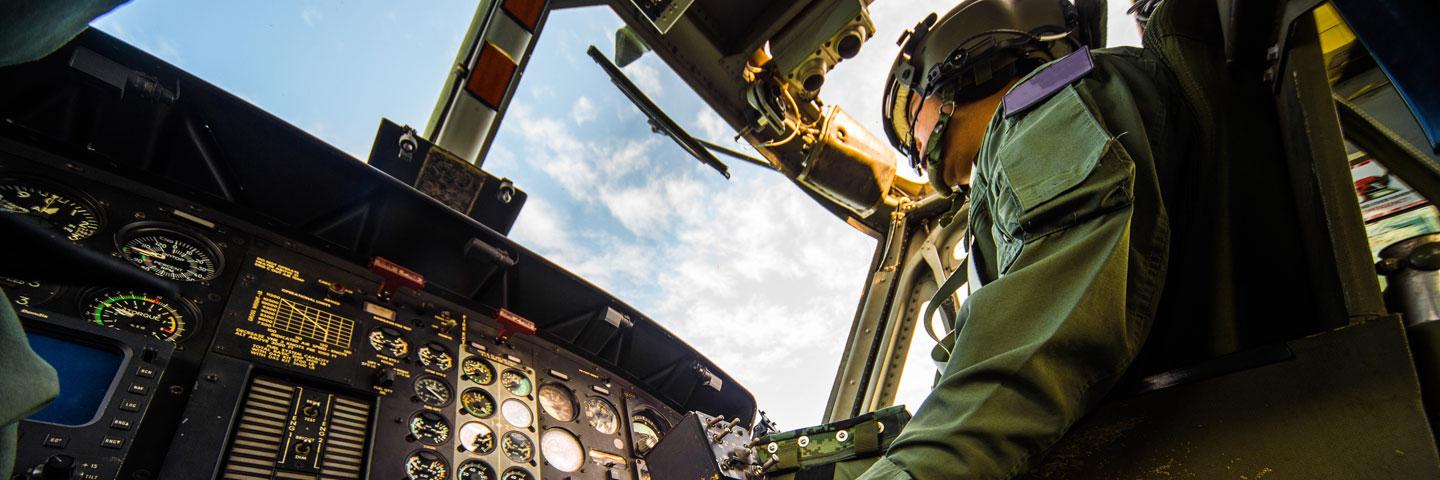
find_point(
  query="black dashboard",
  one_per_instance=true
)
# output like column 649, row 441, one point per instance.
column 330, row 322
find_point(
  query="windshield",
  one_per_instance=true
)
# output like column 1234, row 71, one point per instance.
column 749, row 271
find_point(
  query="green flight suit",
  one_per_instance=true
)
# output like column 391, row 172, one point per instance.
column 1109, row 230
column 1071, row 243
column 27, row 383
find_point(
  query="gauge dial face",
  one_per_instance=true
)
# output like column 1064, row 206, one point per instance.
column 432, row 391
column 557, row 402
column 430, row 427
column 389, row 342
column 28, row 293
column 647, row 429
column 477, row 403
column 517, row 383
column 601, row 416
column 562, row 450
column 517, row 447
column 476, row 369
column 169, row 254
column 516, row 413
column 475, row 470
column 140, row 312
column 517, row 473
column 426, row 465
column 478, row 438
column 436, row 357
column 73, row 215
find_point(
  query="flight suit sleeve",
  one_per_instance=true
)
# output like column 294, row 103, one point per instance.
column 27, row 383
column 1057, row 326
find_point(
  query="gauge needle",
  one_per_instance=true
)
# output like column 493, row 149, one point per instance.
column 148, row 253
column 47, row 209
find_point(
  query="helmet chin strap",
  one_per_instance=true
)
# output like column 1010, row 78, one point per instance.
column 934, row 150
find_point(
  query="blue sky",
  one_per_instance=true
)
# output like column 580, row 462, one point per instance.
column 749, row 271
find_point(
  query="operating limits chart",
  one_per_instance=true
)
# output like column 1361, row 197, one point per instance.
column 293, row 329
column 295, row 318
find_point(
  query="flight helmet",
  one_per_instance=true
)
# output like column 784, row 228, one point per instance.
column 972, row 52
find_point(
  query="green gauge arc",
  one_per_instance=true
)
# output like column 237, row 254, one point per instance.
column 161, row 318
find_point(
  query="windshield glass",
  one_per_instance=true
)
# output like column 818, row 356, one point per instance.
column 749, row 271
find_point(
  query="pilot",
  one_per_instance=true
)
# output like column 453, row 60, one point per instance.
column 1076, row 164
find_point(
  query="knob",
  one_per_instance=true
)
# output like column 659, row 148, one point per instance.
column 57, row 467
column 385, row 377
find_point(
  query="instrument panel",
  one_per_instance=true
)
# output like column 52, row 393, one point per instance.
column 279, row 360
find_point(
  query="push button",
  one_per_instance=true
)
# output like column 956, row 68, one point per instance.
column 113, row 442
column 145, row 371
column 120, row 424
column 130, row 405
column 139, row 388
column 56, row 441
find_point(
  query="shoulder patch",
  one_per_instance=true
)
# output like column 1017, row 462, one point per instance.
column 1048, row 81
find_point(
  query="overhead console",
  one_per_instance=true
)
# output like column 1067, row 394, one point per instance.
column 331, row 322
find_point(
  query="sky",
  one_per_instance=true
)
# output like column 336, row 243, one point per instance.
column 749, row 271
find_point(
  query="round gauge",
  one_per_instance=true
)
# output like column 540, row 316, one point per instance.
column 557, row 402
column 478, row 438
column 514, row 381
column 647, row 428
column 432, row 391
column 562, row 449
column 476, row 369
column 139, row 312
column 517, row 447
column 517, row 473
column 430, row 427
column 169, row 253
column 477, row 403
column 426, row 465
column 436, row 357
column 475, row 470
column 28, row 293
column 601, row 416
column 73, row 214
column 516, row 413
column 389, row 341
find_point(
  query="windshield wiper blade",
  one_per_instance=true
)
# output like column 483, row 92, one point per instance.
column 658, row 119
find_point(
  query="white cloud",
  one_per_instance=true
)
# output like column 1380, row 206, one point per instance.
column 500, row 159
column 310, row 15
column 630, row 157
column 557, row 152
column 642, row 210
column 645, row 76
column 582, row 111
column 712, row 126
column 542, row 92
column 543, row 228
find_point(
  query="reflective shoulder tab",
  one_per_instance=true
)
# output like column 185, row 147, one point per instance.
column 1049, row 80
